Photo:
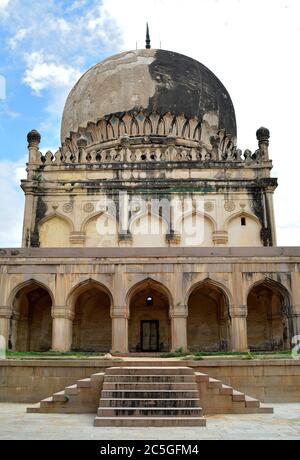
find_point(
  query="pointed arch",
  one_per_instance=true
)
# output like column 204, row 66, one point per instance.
column 240, row 214
column 82, row 286
column 152, row 283
column 31, row 304
column 91, row 302
column 186, row 131
column 196, row 228
column 100, row 229
column 149, row 305
column 58, row 215
column 134, row 127
column 273, row 284
column 244, row 229
column 147, row 127
column 208, row 325
column 30, row 282
column 211, row 282
column 148, row 229
column 269, row 322
column 55, row 230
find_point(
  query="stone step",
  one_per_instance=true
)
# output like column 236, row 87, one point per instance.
column 226, row 390
column 149, row 412
column 34, row 409
column 150, row 421
column 264, row 409
column 150, row 371
column 237, row 396
column 72, row 390
column 150, row 403
column 201, row 377
column 60, row 397
column 153, row 394
column 149, row 386
column 251, row 402
column 49, row 402
column 150, row 378
column 215, row 384
column 85, row 383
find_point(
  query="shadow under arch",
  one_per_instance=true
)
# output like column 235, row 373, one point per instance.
column 32, row 282
column 209, row 321
column 270, row 322
column 149, row 303
column 31, row 321
column 92, row 303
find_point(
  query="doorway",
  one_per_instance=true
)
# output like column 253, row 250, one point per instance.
column 150, row 336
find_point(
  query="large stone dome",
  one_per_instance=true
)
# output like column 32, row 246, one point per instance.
column 151, row 80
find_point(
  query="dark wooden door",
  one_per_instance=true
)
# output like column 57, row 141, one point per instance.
column 150, row 336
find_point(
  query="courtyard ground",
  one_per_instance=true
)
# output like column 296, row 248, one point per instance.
column 15, row 424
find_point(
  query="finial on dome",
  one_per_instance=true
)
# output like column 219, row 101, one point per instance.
column 148, row 39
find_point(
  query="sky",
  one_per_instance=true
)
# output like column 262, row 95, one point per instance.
column 251, row 45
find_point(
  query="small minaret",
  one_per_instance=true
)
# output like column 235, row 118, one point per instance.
column 148, row 39
column 34, row 140
column 263, row 137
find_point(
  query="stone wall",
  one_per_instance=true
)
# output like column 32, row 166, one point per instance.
column 272, row 381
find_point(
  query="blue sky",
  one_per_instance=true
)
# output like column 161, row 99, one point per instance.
column 251, row 45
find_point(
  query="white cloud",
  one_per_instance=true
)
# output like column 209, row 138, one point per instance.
column 4, row 4
column 12, row 207
column 42, row 74
column 18, row 38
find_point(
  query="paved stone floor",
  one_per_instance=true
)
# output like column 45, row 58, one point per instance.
column 16, row 424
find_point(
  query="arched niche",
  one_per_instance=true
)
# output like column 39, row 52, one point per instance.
column 149, row 230
column 196, row 230
column 31, row 322
column 91, row 303
column 101, row 231
column 269, row 322
column 208, row 325
column 54, row 232
column 244, row 230
column 149, row 320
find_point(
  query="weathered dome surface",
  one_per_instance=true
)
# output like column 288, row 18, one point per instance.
column 152, row 80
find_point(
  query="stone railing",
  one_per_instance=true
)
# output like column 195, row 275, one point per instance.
column 138, row 138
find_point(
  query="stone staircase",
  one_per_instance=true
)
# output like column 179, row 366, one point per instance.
column 81, row 398
column 149, row 396
column 217, row 398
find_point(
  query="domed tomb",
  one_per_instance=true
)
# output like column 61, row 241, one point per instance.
column 155, row 81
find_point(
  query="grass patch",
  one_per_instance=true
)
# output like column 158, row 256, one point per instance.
column 198, row 356
column 53, row 355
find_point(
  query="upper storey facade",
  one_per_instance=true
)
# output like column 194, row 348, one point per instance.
column 149, row 158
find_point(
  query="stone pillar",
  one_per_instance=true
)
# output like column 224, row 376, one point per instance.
column 179, row 329
column 5, row 315
column 296, row 302
column 239, row 336
column 119, row 330
column 296, row 323
column 62, row 329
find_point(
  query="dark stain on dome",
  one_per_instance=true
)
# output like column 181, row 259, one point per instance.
column 187, row 86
